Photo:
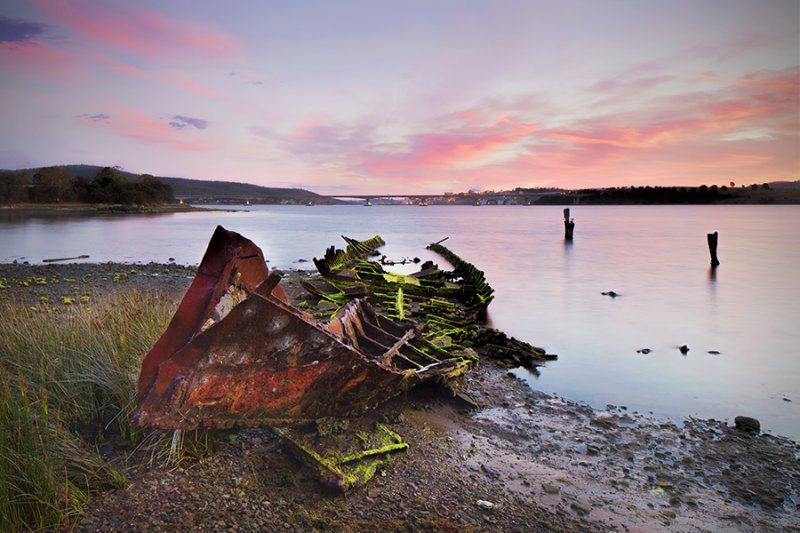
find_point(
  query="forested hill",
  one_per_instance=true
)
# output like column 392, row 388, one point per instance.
column 191, row 187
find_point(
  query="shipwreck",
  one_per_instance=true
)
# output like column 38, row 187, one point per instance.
column 237, row 353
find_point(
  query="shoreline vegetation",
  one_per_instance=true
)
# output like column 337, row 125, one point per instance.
column 114, row 190
column 56, row 185
column 71, row 342
column 99, row 209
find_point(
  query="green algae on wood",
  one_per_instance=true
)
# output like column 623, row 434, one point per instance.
column 354, row 469
column 336, row 259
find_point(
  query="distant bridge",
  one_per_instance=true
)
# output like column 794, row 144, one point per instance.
column 470, row 198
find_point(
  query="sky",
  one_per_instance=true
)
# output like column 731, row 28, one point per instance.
column 392, row 97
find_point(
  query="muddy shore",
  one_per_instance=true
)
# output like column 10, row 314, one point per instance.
column 542, row 463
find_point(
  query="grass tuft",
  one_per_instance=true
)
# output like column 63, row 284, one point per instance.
column 67, row 381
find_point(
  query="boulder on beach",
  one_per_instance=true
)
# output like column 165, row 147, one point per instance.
column 748, row 424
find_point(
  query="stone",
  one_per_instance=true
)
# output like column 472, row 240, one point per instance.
column 484, row 504
column 490, row 471
column 748, row 424
column 550, row 489
column 580, row 509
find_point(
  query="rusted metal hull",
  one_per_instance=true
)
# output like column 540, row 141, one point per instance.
column 237, row 354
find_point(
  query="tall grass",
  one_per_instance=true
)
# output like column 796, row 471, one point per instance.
column 64, row 373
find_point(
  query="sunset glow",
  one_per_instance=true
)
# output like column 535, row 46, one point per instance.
column 407, row 97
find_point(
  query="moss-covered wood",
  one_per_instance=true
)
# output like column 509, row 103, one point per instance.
column 342, row 469
column 442, row 303
column 337, row 259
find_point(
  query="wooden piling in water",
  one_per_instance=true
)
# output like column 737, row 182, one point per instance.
column 569, row 225
column 712, row 247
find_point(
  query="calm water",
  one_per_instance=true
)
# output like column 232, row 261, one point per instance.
column 548, row 293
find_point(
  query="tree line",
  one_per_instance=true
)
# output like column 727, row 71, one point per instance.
column 646, row 195
column 53, row 185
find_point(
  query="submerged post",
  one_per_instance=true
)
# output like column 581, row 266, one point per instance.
column 569, row 225
column 712, row 247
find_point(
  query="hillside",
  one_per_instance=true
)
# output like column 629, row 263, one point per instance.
column 183, row 187
column 190, row 187
column 785, row 184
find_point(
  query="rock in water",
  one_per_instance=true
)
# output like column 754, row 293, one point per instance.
column 748, row 424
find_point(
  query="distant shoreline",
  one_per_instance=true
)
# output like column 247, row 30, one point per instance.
column 98, row 209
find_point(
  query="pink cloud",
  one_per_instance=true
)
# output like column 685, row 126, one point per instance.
column 693, row 163
column 471, row 117
column 747, row 131
column 97, row 58
column 306, row 130
column 763, row 103
column 786, row 80
column 450, row 149
column 722, row 117
column 38, row 60
column 142, row 33
column 172, row 77
column 461, row 138
column 210, row 42
column 683, row 139
column 186, row 82
column 136, row 125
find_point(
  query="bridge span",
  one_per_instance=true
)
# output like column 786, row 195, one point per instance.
column 507, row 198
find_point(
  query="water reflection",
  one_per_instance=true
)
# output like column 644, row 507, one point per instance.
column 712, row 274
column 531, row 371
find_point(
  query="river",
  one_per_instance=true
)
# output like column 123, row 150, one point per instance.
column 548, row 292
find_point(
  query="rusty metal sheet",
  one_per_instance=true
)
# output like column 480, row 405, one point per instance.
column 230, row 261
